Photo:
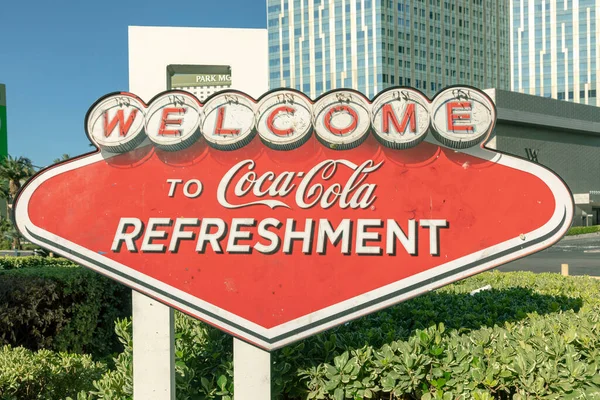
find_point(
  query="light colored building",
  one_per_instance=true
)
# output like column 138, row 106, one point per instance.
column 199, row 60
column 564, row 137
column 555, row 49
column 369, row 45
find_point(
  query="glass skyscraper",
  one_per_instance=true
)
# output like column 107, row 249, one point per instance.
column 369, row 45
column 555, row 49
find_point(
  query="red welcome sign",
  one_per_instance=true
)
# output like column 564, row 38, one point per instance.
column 278, row 218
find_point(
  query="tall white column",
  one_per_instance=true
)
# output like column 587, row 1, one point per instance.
column 251, row 372
column 153, row 349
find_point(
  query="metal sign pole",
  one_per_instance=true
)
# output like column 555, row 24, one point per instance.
column 153, row 349
column 251, row 372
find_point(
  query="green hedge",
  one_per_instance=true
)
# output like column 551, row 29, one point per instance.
column 44, row 374
column 10, row 262
column 61, row 307
column 580, row 230
column 203, row 363
column 531, row 336
column 552, row 357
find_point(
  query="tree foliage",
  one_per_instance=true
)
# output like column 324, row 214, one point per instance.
column 62, row 158
column 14, row 171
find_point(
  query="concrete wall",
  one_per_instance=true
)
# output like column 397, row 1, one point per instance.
column 574, row 157
column 562, row 136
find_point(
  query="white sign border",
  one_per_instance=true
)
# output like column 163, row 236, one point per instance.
column 310, row 324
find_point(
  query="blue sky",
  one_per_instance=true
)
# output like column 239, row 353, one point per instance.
column 58, row 57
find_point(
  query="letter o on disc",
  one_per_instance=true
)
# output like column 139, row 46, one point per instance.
column 462, row 117
column 173, row 121
column 228, row 121
column 342, row 119
column 284, row 119
column 116, row 122
column 400, row 118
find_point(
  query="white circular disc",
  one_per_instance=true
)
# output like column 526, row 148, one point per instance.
column 116, row 123
column 342, row 119
column 462, row 117
column 400, row 118
column 173, row 121
column 235, row 114
column 284, row 119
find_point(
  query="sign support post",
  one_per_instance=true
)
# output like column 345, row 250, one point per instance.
column 251, row 372
column 153, row 349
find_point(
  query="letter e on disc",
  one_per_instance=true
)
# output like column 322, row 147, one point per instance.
column 462, row 117
column 173, row 121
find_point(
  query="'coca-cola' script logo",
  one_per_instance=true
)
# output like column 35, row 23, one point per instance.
column 242, row 180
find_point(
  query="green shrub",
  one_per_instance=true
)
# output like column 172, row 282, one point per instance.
column 580, row 230
column 551, row 357
column 44, row 374
column 118, row 382
column 62, row 309
column 203, row 363
column 531, row 336
column 10, row 262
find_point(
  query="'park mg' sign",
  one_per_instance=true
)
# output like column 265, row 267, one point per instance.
column 277, row 218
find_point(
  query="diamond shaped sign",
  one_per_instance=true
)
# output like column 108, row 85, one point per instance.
column 274, row 219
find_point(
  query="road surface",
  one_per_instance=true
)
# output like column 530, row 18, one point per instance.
column 581, row 253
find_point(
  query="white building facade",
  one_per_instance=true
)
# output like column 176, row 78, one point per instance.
column 201, row 61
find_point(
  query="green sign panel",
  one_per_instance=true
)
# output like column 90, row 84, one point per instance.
column 192, row 80
column 185, row 76
column 3, row 131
